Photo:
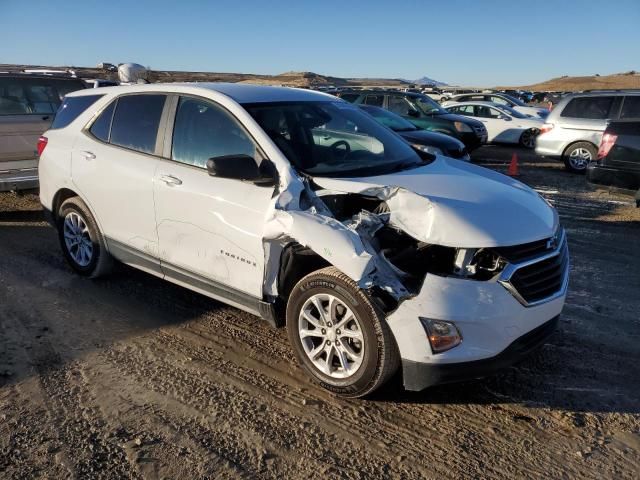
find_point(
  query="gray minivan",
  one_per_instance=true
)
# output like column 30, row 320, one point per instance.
column 28, row 103
column 574, row 128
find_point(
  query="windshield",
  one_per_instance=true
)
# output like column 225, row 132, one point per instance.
column 517, row 101
column 514, row 113
column 426, row 105
column 389, row 119
column 333, row 139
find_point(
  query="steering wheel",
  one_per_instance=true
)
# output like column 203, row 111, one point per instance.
column 337, row 152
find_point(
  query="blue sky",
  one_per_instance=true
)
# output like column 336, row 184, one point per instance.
column 460, row 42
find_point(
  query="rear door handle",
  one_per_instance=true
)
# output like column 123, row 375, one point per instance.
column 170, row 180
column 88, row 155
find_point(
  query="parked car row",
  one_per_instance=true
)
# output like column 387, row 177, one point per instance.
column 423, row 112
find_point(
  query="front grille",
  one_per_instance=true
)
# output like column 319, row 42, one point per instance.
column 518, row 253
column 480, row 130
column 536, row 273
column 542, row 279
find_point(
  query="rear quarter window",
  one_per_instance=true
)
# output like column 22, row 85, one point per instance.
column 595, row 108
column 71, row 108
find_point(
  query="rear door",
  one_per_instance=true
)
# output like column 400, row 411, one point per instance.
column 585, row 118
column 113, row 167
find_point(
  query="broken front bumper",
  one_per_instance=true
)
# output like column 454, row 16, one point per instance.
column 496, row 329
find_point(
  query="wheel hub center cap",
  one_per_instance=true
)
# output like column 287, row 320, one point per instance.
column 331, row 335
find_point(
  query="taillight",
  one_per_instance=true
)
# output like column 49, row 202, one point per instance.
column 42, row 142
column 608, row 141
column 547, row 127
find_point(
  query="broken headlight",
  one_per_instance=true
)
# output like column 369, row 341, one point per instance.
column 478, row 264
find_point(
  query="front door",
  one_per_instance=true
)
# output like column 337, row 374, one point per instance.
column 210, row 228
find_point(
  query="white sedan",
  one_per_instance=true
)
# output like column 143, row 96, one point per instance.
column 499, row 99
column 504, row 124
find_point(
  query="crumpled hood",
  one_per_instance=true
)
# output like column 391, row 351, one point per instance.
column 456, row 204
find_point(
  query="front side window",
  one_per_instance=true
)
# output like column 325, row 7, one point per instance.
column 333, row 139
column 389, row 119
column 136, row 120
column 595, row 108
column 203, row 130
column 71, row 108
column 426, row 105
column 399, row 105
column 631, row 107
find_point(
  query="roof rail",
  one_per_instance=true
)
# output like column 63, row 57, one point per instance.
column 611, row 90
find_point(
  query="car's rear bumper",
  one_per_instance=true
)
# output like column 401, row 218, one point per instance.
column 613, row 177
column 14, row 180
column 418, row 376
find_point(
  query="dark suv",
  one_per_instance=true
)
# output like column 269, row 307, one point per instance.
column 423, row 112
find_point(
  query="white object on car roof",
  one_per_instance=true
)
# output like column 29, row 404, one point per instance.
column 130, row 73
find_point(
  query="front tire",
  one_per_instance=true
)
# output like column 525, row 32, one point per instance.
column 339, row 335
column 577, row 156
column 81, row 240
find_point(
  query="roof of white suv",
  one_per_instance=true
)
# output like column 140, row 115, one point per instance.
column 240, row 92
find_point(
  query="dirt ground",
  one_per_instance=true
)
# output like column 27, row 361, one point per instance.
column 132, row 377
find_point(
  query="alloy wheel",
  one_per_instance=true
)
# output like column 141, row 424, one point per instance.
column 77, row 239
column 579, row 158
column 331, row 336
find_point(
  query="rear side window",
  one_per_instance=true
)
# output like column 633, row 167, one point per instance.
column 631, row 107
column 101, row 127
column 375, row 100
column 70, row 109
column 136, row 120
column 596, row 108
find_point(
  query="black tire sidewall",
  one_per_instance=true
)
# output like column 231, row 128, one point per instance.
column 77, row 207
column 316, row 284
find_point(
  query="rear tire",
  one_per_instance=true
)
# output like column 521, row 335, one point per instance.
column 577, row 156
column 528, row 138
column 351, row 362
column 81, row 241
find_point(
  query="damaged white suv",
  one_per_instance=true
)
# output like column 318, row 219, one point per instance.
column 296, row 206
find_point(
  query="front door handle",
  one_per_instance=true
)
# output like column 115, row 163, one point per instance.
column 170, row 180
column 87, row 155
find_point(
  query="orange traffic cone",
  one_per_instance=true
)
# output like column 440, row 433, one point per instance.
column 513, row 166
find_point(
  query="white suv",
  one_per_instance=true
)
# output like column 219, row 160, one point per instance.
column 299, row 207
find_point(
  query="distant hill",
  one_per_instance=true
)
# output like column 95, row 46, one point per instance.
column 429, row 81
column 571, row 84
column 289, row 79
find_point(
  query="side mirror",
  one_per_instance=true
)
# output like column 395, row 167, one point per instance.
column 505, row 117
column 242, row 167
column 413, row 113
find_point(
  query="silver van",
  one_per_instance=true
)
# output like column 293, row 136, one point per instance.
column 574, row 128
column 28, row 103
